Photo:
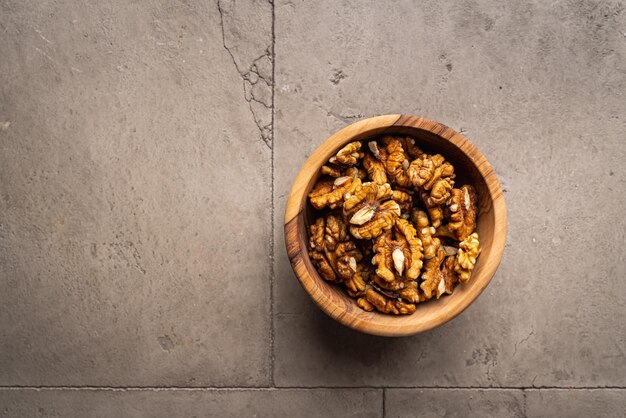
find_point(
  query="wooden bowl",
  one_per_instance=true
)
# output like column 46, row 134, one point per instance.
column 470, row 166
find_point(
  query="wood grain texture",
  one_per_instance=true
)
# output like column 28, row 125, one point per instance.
column 471, row 167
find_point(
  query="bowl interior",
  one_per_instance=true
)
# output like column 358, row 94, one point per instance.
column 434, row 312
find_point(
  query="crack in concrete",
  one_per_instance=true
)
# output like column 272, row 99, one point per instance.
column 345, row 118
column 532, row 384
column 489, row 376
column 260, row 99
column 523, row 340
column 137, row 258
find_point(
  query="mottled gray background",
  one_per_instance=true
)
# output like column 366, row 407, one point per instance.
column 146, row 152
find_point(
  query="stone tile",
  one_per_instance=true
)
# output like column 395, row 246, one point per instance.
column 192, row 403
column 461, row 403
column 135, row 187
column 597, row 403
column 538, row 88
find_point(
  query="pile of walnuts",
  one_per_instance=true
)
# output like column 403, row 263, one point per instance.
column 391, row 227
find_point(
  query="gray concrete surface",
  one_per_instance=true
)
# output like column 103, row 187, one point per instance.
column 536, row 403
column 556, row 403
column 455, row 403
column 146, row 152
column 323, row 403
column 135, row 188
column 539, row 89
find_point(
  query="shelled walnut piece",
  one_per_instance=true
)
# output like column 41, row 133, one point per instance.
column 331, row 192
column 463, row 211
column 448, row 277
column 425, row 232
column 375, row 169
column 336, row 255
column 397, row 163
column 435, row 212
column 460, row 211
column 348, row 155
column 387, row 200
column 400, row 257
column 398, row 260
column 386, row 304
column 434, row 173
column 337, row 171
column 466, row 257
column 371, row 210
column 432, row 274
column 411, row 148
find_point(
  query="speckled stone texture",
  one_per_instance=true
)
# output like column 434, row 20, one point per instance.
column 322, row 403
column 560, row 403
column 146, row 153
column 454, row 403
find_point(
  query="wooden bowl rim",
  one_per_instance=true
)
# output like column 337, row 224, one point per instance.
column 373, row 322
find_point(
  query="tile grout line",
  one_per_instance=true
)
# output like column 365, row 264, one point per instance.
column 524, row 403
column 383, row 403
column 272, row 211
column 270, row 388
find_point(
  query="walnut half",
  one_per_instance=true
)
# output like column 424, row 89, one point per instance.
column 386, row 304
column 370, row 210
column 425, row 232
column 466, row 257
column 331, row 250
column 398, row 253
column 331, row 192
column 348, row 155
column 463, row 207
column 432, row 274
